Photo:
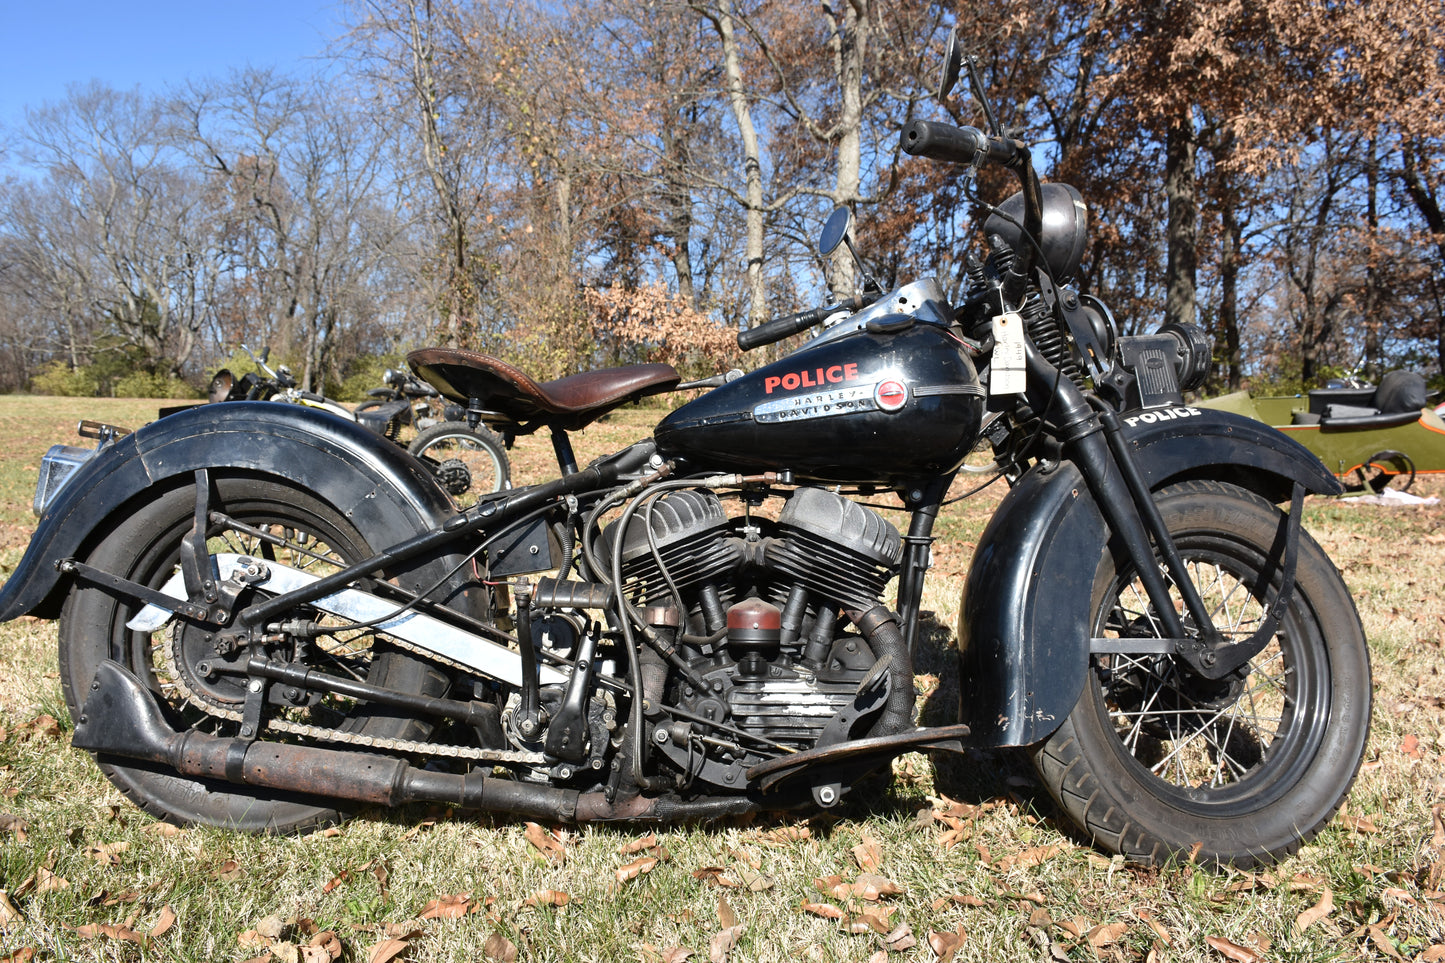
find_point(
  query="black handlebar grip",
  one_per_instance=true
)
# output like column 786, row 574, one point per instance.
column 961, row 145
column 779, row 328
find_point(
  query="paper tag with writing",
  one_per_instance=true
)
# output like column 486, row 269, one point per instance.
column 1006, row 370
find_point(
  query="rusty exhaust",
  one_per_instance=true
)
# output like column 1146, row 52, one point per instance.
column 122, row 718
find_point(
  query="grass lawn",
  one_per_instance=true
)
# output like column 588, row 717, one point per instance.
column 963, row 860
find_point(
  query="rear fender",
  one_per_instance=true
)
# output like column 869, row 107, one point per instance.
column 386, row 494
column 1024, row 622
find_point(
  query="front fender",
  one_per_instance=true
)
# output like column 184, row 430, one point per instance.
column 387, row 494
column 1024, row 624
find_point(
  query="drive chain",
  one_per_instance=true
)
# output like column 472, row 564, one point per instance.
column 325, row 734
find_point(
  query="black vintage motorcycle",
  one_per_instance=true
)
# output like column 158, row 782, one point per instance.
column 269, row 614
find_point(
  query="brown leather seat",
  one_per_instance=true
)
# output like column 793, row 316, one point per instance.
column 468, row 377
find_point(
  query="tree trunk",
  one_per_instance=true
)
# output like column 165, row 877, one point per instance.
column 1229, row 269
column 752, row 162
column 1179, row 192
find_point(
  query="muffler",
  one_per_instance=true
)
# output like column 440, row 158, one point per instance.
column 121, row 717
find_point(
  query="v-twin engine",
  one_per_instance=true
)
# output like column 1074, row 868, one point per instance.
column 762, row 612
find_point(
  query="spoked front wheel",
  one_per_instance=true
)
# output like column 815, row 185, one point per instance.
column 1155, row 760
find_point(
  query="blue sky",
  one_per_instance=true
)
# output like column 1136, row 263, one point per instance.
column 49, row 44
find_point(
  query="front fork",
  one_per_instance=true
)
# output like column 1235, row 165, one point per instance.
column 1093, row 439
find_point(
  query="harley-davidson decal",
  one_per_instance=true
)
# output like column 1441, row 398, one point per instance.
column 811, row 378
column 822, row 404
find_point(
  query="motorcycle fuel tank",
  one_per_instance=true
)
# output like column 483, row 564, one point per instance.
column 878, row 406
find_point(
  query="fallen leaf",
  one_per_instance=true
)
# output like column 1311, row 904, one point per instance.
column 825, row 910
column 545, row 842
column 638, row 845
column 23, row 955
column 1029, row 858
column 1240, row 954
column 271, row 927
column 868, row 855
column 636, row 868
column 164, row 922
column 675, row 954
column 962, row 899
column 8, row 913
column 230, row 869
column 327, row 941
column 1106, row 934
column 726, row 915
column 164, row 830
column 1382, row 940
column 1433, row 954
column 548, row 897
column 1358, row 824
column 872, row 887
column 944, row 945
column 48, row 882
column 901, row 938
column 1437, row 821
column 1076, row 926
column 834, row 886
column 722, row 944
column 93, row 930
column 499, row 949
column 447, row 907
column 748, row 878
column 1315, row 913
column 386, row 951
column 1154, row 925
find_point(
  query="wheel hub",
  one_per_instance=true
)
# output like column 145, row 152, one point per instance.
column 455, row 476
column 211, row 667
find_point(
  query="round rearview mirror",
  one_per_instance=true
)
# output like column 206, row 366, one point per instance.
column 952, row 63
column 835, row 229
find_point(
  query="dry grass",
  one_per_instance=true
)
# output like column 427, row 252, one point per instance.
column 87, row 876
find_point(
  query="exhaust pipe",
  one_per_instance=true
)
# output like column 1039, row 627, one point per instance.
column 122, row 718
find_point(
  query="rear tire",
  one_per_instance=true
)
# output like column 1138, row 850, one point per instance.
column 1154, row 761
column 145, row 547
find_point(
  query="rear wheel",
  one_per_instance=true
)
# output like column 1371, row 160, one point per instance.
column 468, row 462
column 1155, row 760
column 203, row 689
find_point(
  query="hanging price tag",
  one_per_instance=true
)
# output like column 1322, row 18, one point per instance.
column 1006, row 370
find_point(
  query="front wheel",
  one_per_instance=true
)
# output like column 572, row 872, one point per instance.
column 468, row 462
column 1155, row 761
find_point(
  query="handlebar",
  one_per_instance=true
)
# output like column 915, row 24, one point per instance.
column 779, row 328
column 961, row 145
column 969, row 145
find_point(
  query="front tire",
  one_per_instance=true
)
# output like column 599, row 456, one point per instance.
column 145, row 548
column 1155, row 761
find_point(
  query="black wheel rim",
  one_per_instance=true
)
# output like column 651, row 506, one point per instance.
column 1213, row 748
